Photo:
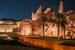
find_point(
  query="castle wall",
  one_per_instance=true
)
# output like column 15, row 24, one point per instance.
column 26, row 28
column 7, row 28
column 49, row 31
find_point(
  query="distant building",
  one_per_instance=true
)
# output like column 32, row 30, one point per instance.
column 7, row 26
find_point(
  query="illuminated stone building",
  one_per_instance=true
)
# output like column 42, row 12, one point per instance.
column 32, row 26
column 70, row 27
column 25, row 27
column 7, row 27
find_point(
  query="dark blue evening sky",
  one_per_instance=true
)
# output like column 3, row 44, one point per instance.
column 20, row 9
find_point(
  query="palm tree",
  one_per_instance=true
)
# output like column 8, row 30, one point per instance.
column 60, row 21
column 42, row 21
column 54, row 20
column 63, row 24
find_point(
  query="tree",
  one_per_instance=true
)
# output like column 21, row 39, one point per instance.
column 60, row 21
column 42, row 21
column 54, row 20
column 63, row 23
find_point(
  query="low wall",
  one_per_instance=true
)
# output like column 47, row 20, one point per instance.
column 41, row 43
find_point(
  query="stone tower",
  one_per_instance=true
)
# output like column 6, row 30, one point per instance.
column 60, row 7
column 37, row 14
column 39, row 10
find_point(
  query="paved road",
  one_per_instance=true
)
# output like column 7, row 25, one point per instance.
column 15, row 45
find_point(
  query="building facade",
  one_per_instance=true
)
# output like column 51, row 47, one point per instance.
column 34, row 27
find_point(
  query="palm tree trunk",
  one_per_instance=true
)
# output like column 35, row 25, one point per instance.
column 58, row 31
column 43, row 28
column 64, row 33
column 72, row 34
column 58, row 27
